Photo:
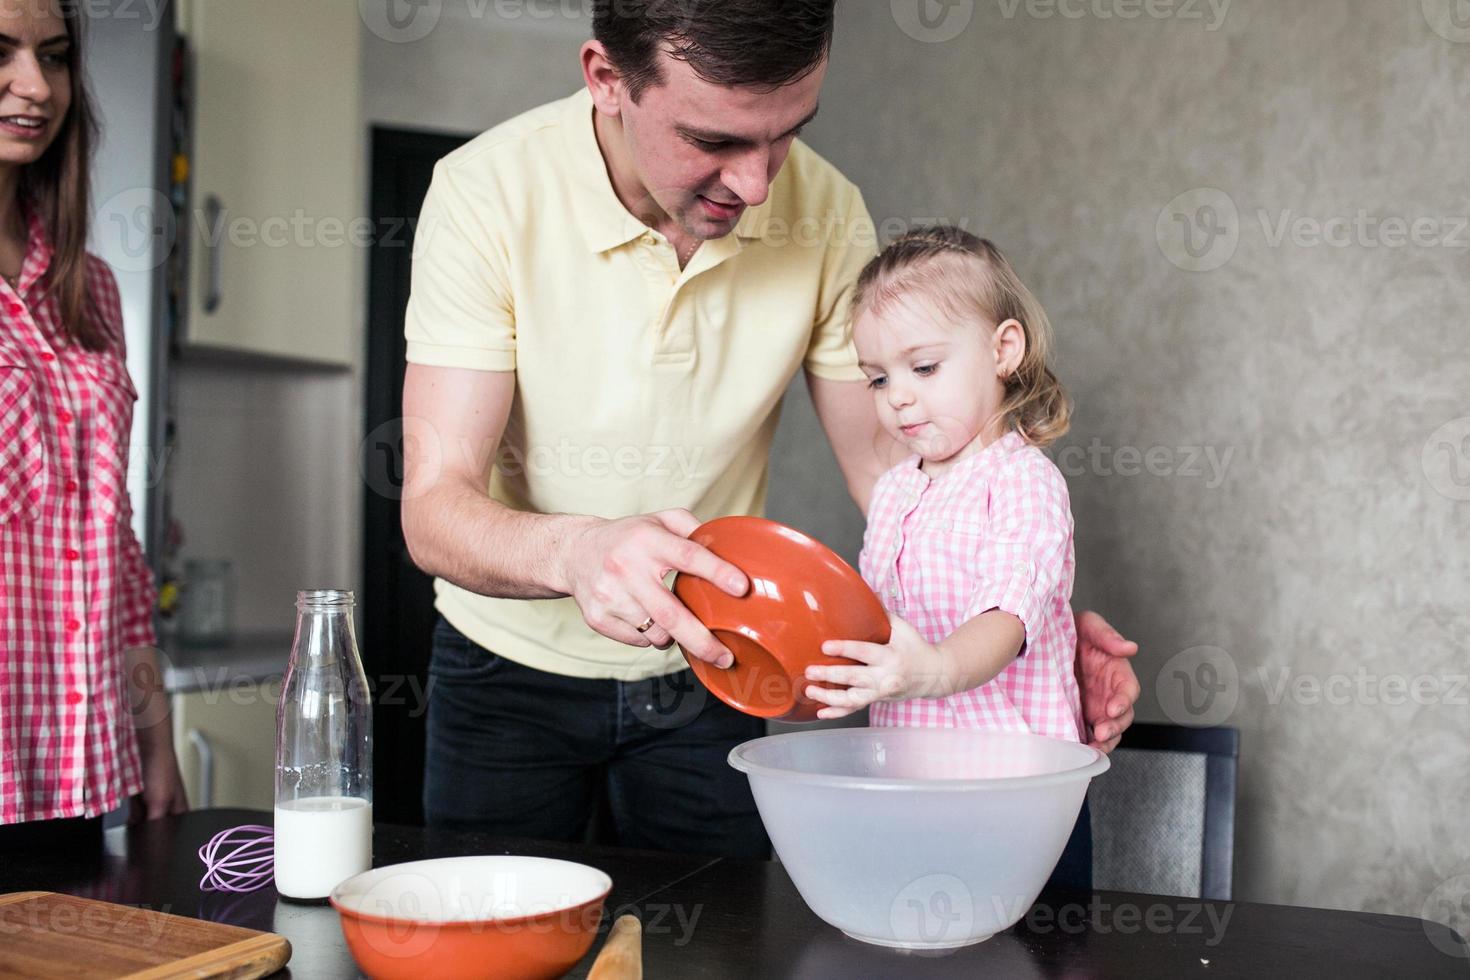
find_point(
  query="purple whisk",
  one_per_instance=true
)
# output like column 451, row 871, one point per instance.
column 240, row 859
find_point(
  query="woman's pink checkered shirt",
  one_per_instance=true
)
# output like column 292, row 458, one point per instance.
column 75, row 591
column 993, row 532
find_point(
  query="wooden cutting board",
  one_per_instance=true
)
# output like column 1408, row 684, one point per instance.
column 46, row 935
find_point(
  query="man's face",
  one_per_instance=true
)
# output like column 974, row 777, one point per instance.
column 706, row 152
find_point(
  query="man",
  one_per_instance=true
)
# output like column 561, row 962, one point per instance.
column 610, row 295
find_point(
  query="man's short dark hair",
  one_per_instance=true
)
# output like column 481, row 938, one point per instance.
column 757, row 43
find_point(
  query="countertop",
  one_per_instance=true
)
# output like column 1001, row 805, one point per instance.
column 721, row 918
column 249, row 657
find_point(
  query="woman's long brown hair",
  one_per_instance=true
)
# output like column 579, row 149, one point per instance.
column 59, row 186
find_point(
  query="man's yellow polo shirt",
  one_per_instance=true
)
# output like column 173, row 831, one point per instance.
column 639, row 387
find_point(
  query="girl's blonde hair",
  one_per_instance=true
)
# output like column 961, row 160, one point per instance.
column 970, row 277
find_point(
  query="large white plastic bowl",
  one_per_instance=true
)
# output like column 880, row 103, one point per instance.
column 918, row 838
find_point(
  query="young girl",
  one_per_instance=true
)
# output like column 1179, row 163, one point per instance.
column 969, row 540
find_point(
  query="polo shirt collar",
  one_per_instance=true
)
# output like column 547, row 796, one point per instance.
column 605, row 222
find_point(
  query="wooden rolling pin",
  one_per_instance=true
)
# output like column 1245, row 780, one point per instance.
column 622, row 955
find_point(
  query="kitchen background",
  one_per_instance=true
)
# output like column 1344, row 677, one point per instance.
column 1247, row 221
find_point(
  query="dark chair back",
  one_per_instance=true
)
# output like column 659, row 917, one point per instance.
column 1163, row 817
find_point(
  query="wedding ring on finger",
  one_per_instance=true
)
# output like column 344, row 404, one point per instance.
column 645, row 626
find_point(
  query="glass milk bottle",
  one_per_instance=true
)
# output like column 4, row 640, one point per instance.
column 324, row 753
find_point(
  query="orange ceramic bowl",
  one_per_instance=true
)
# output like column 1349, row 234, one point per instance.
column 517, row 917
column 801, row 595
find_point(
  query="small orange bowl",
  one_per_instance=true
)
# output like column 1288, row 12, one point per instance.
column 523, row 918
column 801, row 595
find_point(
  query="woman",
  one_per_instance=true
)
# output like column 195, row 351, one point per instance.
column 83, row 724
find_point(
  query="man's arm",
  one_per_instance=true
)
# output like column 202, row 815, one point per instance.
column 452, row 527
column 453, row 421
column 864, row 450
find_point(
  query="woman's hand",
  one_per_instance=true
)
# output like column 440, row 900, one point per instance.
column 907, row 666
column 1105, row 677
column 163, row 787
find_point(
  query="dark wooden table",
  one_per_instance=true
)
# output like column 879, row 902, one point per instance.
column 707, row 918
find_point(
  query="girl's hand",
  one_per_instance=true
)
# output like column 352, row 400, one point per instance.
column 907, row 666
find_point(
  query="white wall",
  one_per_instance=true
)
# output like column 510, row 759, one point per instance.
column 265, row 474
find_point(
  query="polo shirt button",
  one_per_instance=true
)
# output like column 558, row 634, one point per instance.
column 72, row 625
column 73, row 697
column 65, row 417
column 71, row 486
column 72, row 554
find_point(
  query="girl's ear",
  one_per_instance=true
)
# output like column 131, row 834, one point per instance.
column 1010, row 348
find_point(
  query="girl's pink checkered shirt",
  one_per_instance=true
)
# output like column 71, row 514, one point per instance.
column 992, row 532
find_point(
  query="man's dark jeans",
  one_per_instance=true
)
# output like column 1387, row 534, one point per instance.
column 519, row 752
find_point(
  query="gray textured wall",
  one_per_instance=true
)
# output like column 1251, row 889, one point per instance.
column 1271, row 462
column 1332, row 551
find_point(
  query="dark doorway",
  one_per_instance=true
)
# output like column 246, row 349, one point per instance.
column 397, row 604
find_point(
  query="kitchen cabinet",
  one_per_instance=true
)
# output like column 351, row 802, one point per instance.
column 223, row 705
column 225, row 741
column 275, row 223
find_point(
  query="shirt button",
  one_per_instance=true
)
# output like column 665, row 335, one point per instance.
column 65, row 417
column 46, row 355
column 72, row 554
column 72, row 625
column 71, row 486
column 73, row 697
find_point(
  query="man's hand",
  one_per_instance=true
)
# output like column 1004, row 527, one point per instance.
column 615, row 571
column 1105, row 676
column 907, row 666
